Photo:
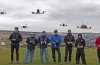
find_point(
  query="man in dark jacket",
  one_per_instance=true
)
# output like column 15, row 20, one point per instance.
column 97, row 43
column 31, row 43
column 69, row 41
column 80, row 44
column 15, row 39
column 43, row 41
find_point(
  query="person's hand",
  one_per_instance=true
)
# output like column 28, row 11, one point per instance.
column 30, row 41
column 13, row 39
column 99, row 46
column 57, row 43
column 43, row 42
column 80, row 46
column 25, row 44
column 70, row 42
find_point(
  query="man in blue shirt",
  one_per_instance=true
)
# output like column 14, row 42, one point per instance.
column 55, row 41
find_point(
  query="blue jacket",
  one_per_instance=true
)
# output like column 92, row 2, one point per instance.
column 55, row 39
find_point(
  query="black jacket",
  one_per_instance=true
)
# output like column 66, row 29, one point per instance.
column 43, row 41
column 32, row 42
column 80, row 43
column 15, row 38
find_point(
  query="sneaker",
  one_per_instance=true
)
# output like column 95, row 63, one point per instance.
column 41, row 62
column 69, row 62
column 11, row 62
column 54, row 62
column 65, row 62
column 60, row 63
column 76, row 63
column 99, row 62
column 84, row 64
column 25, row 62
column 31, row 62
column 47, row 63
column 17, row 62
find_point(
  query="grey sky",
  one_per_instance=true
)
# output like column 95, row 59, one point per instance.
column 71, row 12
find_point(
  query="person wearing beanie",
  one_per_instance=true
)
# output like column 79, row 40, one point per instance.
column 80, row 53
column 15, row 39
column 97, row 43
column 55, row 41
column 43, row 41
column 69, row 40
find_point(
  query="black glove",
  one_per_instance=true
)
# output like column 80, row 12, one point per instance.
column 57, row 43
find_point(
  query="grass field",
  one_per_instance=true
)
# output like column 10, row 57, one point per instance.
column 91, row 57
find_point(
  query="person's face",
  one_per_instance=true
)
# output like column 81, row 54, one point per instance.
column 56, row 33
column 43, row 34
column 69, row 32
column 79, row 36
column 16, row 30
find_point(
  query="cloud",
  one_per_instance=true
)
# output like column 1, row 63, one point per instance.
column 71, row 12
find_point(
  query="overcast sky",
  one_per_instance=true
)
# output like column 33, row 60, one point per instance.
column 70, row 12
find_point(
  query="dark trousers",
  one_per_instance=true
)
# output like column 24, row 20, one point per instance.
column 16, row 47
column 53, row 54
column 68, row 53
column 80, row 54
column 98, row 53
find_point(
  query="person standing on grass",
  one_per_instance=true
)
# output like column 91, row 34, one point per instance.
column 80, row 44
column 43, row 41
column 55, row 41
column 97, row 43
column 15, row 39
column 69, row 40
column 31, row 43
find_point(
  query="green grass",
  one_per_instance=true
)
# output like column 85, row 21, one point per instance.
column 91, row 57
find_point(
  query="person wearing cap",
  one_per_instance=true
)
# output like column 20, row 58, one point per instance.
column 15, row 39
column 31, row 43
column 43, row 41
column 69, row 40
column 55, row 41
column 80, row 44
column 97, row 43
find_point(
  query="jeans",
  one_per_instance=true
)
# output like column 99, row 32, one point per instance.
column 29, row 53
column 43, row 52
